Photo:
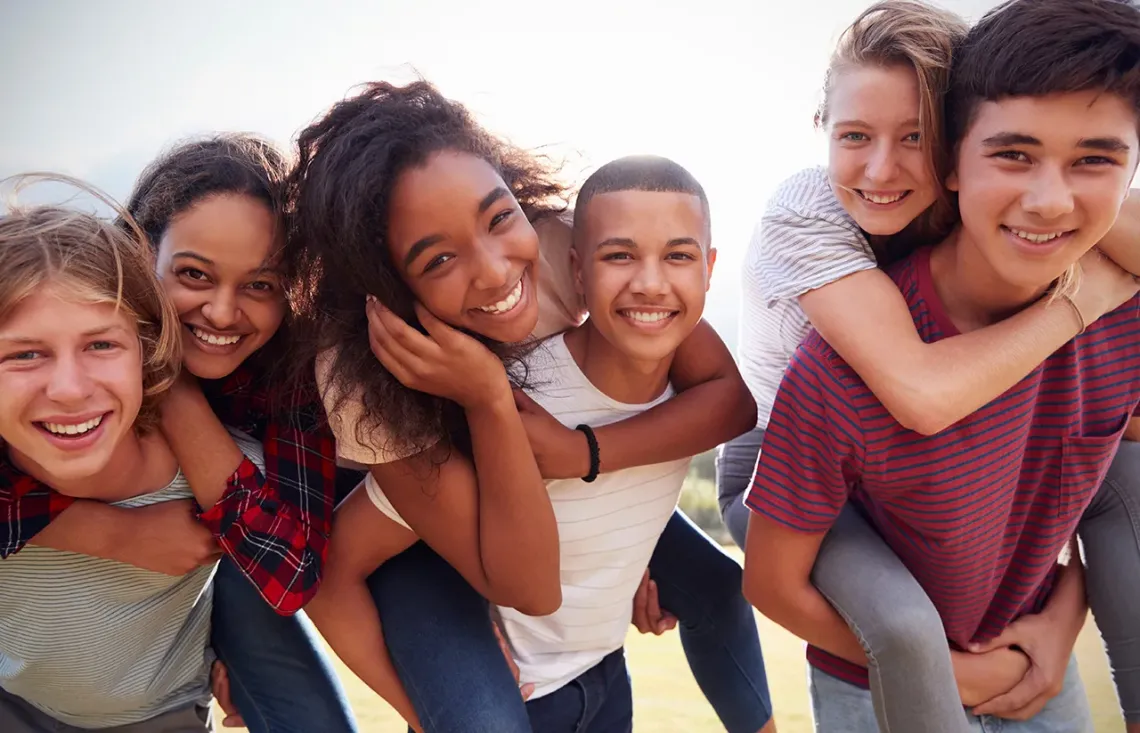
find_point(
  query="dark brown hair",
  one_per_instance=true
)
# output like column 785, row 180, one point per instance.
column 1032, row 48
column 337, row 250
column 198, row 169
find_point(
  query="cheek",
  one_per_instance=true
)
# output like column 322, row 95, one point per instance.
column 267, row 316
column 843, row 164
column 184, row 299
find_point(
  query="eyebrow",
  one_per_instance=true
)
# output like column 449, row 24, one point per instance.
column 485, row 203
column 101, row 330
column 627, row 243
column 262, row 270
column 912, row 122
column 1102, row 144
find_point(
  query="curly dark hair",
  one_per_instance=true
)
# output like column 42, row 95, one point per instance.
column 337, row 252
column 200, row 168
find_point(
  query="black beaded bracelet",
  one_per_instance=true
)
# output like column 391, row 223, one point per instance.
column 595, row 459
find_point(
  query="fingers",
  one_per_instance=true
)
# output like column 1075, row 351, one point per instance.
column 524, row 402
column 653, row 609
column 395, row 334
column 220, row 686
column 440, row 331
column 641, row 606
column 1006, row 638
column 1030, row 694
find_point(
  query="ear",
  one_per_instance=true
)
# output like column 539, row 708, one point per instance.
column 710, row 262
column 952, row 181
column 576, row 268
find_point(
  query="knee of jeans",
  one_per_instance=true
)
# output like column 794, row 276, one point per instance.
column 908, row 635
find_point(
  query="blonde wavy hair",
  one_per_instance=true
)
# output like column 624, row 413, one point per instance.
column 97, row 261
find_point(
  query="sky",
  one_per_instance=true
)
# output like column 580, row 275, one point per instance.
column 726, row 88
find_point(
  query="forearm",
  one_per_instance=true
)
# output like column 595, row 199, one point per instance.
column 1122, row 243
column 518, row 535
column 346, row 616
column 1132, row 432
column 803, row 610
column 1068, row 605
column 89, row 528
column 931, row 388
column 206, row 453
column 694, row 421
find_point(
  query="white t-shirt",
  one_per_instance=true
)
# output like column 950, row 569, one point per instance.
column 805, row 240
column 607, row 531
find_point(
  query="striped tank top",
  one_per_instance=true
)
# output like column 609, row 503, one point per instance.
column 96, row 643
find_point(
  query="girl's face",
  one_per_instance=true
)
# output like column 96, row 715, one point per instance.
column 218, row 263
column 464, row 247
column 876, row 163
column 70, row 384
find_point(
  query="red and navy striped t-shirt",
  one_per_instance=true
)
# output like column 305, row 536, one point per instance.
column 980, row 512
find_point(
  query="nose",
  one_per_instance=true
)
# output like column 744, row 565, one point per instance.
column 1049, row 195
column 221, row 310
column 493, row 265
column 883, row 164
column 68, row 382
column 649, row 278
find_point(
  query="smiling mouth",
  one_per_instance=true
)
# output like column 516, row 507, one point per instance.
column 883, row 199
column 72, row 430
column 211, row 339
column 1037, row 238
column 507, row 304
column 648, row 317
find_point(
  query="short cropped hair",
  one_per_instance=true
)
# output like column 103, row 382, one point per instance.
column 639, row 173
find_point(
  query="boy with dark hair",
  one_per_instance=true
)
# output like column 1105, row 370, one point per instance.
column 1043, row 115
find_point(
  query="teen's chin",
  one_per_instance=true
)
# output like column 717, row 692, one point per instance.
column 209, row 366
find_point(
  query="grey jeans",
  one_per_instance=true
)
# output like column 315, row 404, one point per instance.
column 912, row 680
column 17, row 716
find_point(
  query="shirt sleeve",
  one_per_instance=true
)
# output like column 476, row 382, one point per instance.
column 802, row 250
column 275, row 525
column 27, row 506
column 813, row 446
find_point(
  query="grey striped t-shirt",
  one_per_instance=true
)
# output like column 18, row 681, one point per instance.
column 805, row 240
column 96, row 643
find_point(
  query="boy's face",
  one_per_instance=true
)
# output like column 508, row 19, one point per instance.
column 643, row 263
column 70, row 383
column 1041, row 179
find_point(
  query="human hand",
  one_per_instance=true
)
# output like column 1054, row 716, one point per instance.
column 167, row 538
column 445, row 362
column 220, row 686
column 648, row 616
column 559, row 451
column 1048, row 648
column 983, row 676
column 1104, row 287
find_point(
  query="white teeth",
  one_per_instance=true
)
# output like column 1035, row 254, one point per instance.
column 876, row 199
column 507, row 303
column 215, row 340
column 79, row 429
column 647, row 316
column 1036, row 238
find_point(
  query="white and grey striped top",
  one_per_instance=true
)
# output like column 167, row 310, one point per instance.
column 607, row 531
column 805, row 240
column 96, row 643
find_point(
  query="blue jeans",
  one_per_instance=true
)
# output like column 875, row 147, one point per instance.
column 280, row 678
column 438, row 632
column 840, row 707
column 600, row 700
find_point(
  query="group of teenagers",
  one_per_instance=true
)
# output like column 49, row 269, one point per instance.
column 396, row 390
